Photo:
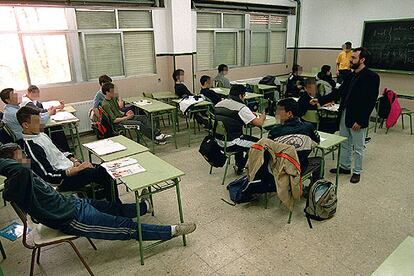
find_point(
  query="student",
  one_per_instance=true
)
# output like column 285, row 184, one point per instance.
column 358, row 93
column 57, row 133
column 295, row 82
column 99, row 96
column 116, row 116
column 343, row 62
column 234, row 114
column 324, row 77
column 77, row 216
column 11, row 100
column 60, row 169
column 291, row 126
column 220, row 79
column 212, row 96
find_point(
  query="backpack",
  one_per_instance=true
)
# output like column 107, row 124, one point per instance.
column 103, row 126
column 212, row 152
column 321, row 202
column 240, row 190
column 269, row 80
column 384, row 106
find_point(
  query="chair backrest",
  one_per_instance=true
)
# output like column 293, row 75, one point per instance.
column 311, row 116
column 148, row 95
column 255, row 88
column 6, row 134
column 321, row 88
column 23, row 217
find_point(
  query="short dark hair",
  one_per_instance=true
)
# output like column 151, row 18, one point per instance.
column 5, row 94
column 7, row 150
column 364, row 53
column 289, row 104
column 204, row 79
column 177, row 73
column 237, row 90
column 295, row 68
column 348, row 45
column 325, row 68
column 104, row 79
column 25, row 113
column 32, row 88
column 222, row 67
column 107, row 86
column 309, row 81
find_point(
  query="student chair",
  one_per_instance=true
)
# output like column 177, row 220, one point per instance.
column 312, row 116
column 6, row 134
column 44, row 236
column 321, row 89
column 407, row 112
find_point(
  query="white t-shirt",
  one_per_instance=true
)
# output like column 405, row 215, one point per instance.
column 246, row 115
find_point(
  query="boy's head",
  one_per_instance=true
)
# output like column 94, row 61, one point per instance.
column 286, row 109
column 29, row 118
column 13, row 151
column 326, row 70
column 205, row 81
column 33, row 92
column 178, row 75
column 104, row 79
column 238, row 91
column 310, row 86
column 9, row 96
column 348, row 46
column 297, row 69
column 108, row 89
column 223, row 69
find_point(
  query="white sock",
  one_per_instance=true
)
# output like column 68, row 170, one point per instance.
column 173, row 230
column 147, row 204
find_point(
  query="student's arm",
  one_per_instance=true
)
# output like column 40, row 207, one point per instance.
column 338, row 62
column 248, row 117
column 19, row 180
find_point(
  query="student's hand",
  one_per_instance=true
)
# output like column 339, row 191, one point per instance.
column 299, row 86
column 328, row 104
column 120, row 103
column 356, row 127
column 62, row 105
column 129, row 117
column 85, row 165
column 129, row 113
column 337, row 72
column 314, row 101
column 51, row 111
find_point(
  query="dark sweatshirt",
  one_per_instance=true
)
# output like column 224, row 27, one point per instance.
column 181, row 90
column 211, row 95
column 34, row 196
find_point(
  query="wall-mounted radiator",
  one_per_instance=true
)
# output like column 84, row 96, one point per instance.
column 82, row 109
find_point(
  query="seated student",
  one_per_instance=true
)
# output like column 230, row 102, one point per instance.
column 290, row 124
column 77, row 216
column 324, row 77
column 310, row 100
column 32, row 99
column 110, row 106
column 234, row 114
column 99, row 96
column 212, row 96
column 220, row 79
column 11, row 100
column 295, row 82
column 59, row 169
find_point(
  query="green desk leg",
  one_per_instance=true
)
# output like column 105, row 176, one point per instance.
column 90, row 156
column 141, row 246
column 78, row 140
column 152, row 132
column 337, row 169
column 176, row 119
column 323, row 162
column 173, row 117
column 180, row 209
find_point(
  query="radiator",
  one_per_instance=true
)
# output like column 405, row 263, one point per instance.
column 82, row 109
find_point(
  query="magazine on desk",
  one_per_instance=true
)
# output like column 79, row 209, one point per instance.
column 104, row 147
column 123, row 167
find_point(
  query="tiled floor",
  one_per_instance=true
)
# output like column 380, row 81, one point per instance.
column 372, row 219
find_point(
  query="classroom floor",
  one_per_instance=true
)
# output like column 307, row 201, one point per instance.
column 372, row 219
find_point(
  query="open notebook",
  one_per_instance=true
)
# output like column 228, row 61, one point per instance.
column 49, row 104
column 63, row 116
column 104, row 147
column 123, row 167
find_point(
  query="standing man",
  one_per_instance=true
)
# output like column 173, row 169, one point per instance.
column 358, row 93
column 343, row 65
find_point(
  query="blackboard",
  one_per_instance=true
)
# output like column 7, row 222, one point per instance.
column 391, row 44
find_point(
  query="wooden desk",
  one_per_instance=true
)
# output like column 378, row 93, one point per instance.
column 155, row 110
column 158, row 176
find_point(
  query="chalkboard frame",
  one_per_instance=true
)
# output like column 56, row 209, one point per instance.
column 403, row 72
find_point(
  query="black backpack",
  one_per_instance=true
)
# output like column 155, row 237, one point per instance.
column 269, row 80
column 212, row 152
column 384, row 107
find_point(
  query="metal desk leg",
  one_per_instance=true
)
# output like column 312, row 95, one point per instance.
column 323, row 163
column 141, row 246
column 151, row 200
column 173, row 117
column 90, row 156
column 152, row 132
column 176, row 119
column 337, row 169
column 78, row 140
column 180, row 209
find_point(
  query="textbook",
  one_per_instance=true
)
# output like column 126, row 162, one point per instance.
column 104, row 147
column 49, row 104
column 123, row 167
column 63, row 116
column 12, row 232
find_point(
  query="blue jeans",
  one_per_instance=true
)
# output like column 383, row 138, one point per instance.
column 99, row 219
column 354, row 144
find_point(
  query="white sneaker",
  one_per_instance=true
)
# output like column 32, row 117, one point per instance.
column 163, row 136
column 145, row 197
column 184, row 229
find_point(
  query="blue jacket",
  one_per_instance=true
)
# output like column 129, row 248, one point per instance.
column 10, row 119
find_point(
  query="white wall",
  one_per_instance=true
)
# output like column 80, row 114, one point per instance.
column 329, row 23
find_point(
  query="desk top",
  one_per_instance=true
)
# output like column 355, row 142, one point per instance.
column 226, row 91
column 203, row 103
column 132, row 148
column 156, row 171
column 329, row 140
column 52, row 123
column 154, row 106
column 270, row 121
column 266, row 87
column 68, row 108
column 400, row 262
column 164, row 95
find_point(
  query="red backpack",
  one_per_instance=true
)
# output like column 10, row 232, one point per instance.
column 395, row 110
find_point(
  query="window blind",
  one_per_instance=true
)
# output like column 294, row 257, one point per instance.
column 139, row 53
column 240, row 49
column 208, row 20
column 134, row 19
column 233, row 21
column 259, row 47
column 95, row 19
column 226, row 50
column 103, row 52
column 277, row 47
column 259, row 22
column 205, row 49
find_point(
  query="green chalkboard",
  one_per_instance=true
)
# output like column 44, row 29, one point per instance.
column 391, row 44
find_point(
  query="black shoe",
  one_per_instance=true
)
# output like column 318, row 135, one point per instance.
column 237, row 170
column 367, row 140
column 355, row 178
column 341, row 171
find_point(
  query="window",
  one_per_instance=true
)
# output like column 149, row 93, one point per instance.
column 32, row 49
column 220, row 39
column 110, row 39
column 225, row 38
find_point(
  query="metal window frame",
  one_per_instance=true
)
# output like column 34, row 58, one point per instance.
column 268, row 32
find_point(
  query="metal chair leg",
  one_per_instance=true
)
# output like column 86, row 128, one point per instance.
column 211, row 169
column 411, row 124
column 32, row 263
column 225, row 170
column 290, row 217
column 402, row 120
column 80, row 257
column 3, row 253
column 92, row 244
column 38, row 256
column 266, row 199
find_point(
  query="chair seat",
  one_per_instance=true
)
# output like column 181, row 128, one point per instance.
column 43, row 234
